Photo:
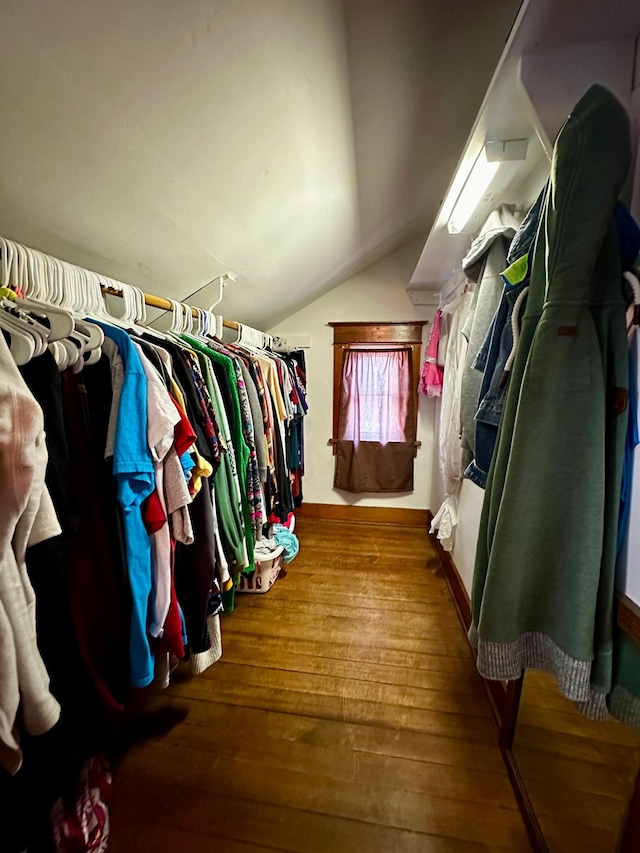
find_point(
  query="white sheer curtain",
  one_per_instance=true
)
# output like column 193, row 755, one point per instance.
column 375, row 396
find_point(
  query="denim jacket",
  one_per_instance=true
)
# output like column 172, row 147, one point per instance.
column 497, row 346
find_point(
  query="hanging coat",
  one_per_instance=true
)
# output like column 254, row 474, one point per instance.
column 484, row 263
column 543, row 581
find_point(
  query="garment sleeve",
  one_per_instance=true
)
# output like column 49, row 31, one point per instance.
column 258, row 423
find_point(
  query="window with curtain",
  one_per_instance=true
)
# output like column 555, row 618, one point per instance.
column 375, row 382
column 375, row 395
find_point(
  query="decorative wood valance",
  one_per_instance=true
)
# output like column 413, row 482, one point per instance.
column 409, row 332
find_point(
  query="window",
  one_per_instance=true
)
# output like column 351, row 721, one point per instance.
column 376, row 369
column 376, row 384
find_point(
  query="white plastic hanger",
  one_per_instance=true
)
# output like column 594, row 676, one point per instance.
column 203, row 324
column 92, row 334
column 187, row 321
column 250, row 339
column 74, row 344
column 97, row 298
column 28, row 338
column 20, row 328
column 208, row 323
column 141, row 314
column 21, row 345
column 199, row 324
column 176, row 320
column 59, row 321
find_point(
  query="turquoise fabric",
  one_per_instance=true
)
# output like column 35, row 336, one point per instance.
column 288, row 540
column 133, row 471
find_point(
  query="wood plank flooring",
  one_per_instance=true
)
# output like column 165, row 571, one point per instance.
column 580, row 774
column 346, row 715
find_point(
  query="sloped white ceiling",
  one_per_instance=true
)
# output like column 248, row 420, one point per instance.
column 289, row 141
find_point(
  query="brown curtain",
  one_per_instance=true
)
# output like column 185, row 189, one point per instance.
column 376, row 438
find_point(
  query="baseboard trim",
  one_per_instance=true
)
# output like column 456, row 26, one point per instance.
column 525, row 805
column 457, row 589
column 366, row 514
column 504, row 701
column 462, row 604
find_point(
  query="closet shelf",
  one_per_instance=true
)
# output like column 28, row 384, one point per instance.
column 556, row 50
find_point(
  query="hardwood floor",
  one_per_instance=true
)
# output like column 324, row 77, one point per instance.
column 346, row 715
column 580, row 774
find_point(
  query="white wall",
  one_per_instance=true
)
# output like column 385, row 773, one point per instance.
column 290, row 141
column 378, row 293
column 469, row 508
column 464, row 550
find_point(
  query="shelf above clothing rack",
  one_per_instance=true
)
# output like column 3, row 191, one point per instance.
column 161, row 302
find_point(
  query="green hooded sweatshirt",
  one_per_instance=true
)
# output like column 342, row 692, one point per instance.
column 544, row 573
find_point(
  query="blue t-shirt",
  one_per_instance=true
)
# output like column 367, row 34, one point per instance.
column 186, row 460
column 632, row 441
column 133, row 470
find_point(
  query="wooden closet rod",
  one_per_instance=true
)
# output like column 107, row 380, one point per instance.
column 149, row 298
column 161, row 302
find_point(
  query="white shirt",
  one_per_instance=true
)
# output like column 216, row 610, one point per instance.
column 27, row 517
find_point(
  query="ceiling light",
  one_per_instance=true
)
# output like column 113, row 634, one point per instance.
column 494, row 168
column 476, row 186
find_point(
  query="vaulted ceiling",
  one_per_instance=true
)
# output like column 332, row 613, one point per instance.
column 288, row 141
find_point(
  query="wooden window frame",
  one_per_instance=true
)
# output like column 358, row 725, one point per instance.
column 345, row 335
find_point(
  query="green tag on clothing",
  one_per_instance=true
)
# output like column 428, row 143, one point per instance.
column 517, row 272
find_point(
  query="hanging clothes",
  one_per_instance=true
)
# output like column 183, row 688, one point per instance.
column 134, row 474
column 483, row 264
column 455, row 312
column 432, row 372
column 164, row 462
column 494, row 359
column 543, row 581
column 28, row 518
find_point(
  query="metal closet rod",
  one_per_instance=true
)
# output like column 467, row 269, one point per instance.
column 161, row 302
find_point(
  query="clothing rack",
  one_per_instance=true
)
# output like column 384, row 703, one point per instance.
column 161, row 302
column 149, row 298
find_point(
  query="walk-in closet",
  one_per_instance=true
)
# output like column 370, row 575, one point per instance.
column 319, row 430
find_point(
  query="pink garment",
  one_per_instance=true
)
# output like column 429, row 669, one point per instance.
column 81, row 820
column 375, row 396
column 432, row 373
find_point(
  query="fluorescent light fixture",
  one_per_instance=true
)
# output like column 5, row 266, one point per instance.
column 490, row 176
column 476, row 185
